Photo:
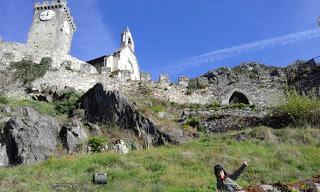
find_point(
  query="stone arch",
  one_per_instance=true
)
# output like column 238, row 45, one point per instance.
column 237, row 96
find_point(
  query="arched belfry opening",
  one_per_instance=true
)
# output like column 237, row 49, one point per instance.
column 238, row 97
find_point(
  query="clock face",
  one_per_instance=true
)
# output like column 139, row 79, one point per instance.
column 47, row 15
column 66, row 28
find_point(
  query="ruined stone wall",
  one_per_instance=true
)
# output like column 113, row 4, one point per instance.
column 13, row 52
column 259, row 84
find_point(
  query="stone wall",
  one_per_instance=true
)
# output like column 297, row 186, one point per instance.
column 13, row 52
column 258, row 84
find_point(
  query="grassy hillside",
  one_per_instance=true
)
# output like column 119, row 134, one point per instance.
column 284, row 155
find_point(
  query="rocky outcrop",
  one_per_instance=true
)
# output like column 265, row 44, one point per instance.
column 102, row 106
column 29, row 138
column 311, row 185
column 119, row 146
column 305, row 77
column 222, row 119
column 73, row 136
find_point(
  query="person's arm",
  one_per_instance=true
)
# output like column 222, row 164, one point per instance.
column 235, row 175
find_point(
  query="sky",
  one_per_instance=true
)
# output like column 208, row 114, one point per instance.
column 185, row 37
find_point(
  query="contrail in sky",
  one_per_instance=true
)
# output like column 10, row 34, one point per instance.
column 244, row 48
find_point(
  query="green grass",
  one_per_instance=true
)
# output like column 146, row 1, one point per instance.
column 273, row 155
column 40, row 106
column 60, row 109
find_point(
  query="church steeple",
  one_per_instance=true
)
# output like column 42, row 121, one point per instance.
column 126, row 39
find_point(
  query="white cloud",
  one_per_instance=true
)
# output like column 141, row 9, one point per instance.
column 240, row 49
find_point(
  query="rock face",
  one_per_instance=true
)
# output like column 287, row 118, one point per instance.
column 73, row 136
column 305, row 77
column 103, row 106
column 224, row 119
column 29, row 138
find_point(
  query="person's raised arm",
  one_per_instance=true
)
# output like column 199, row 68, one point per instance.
column 235, row 175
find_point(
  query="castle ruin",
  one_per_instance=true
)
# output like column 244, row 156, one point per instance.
column 51, row 36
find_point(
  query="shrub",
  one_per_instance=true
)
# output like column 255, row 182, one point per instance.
column 300, row 110
column 67, row 103
column 193, row 122
column 3, row 100
column 97, row 144
column 28, row 71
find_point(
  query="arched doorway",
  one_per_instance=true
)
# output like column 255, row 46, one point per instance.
column 238, row 97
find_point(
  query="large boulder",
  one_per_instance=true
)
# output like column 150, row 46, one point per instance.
column 102, row 106
column 29, row 138
column 73, row 136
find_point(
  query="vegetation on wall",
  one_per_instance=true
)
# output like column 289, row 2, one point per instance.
column 4, row 100
column 28, row 71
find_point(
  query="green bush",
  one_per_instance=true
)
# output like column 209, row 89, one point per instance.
column 193, row 122
column 3, row 100
column 300, row 110
column 97, row 143
column 67, row 103
column 28, row 71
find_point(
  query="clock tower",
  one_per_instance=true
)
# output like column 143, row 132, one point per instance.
column 52, row 27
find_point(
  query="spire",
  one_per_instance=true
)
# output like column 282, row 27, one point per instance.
column 126, row 39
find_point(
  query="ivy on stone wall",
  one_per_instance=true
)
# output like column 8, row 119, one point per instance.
column 28, row 71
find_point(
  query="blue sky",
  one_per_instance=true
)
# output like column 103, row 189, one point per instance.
column 168, row 33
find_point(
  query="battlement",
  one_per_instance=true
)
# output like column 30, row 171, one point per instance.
column 56, row 4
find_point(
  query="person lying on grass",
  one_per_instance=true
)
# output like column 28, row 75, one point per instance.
column 226, row 182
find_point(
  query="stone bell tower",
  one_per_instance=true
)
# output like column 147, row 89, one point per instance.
column 52, row 27
column 127, row 40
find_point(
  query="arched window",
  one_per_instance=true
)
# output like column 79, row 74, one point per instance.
column 238, row 97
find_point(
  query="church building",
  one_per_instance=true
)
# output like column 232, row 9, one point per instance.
column 123, row 63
